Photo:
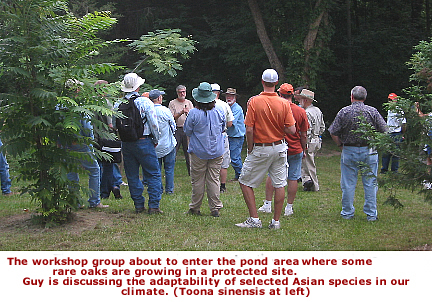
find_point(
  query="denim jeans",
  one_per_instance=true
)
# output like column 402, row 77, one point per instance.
column 142, row 153
column 93, row 169
column 354, row 160
column 169, row 164
column 117, row 175
column 107, row 179
column 4, row 174
column 397, row 138
column 235, row 146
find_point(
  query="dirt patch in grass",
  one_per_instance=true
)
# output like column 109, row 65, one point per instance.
column 81, row 221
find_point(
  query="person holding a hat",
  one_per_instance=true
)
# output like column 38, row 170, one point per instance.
column 142, row 152
column 316, row 129
column 268, row 119
column 356, row 155
column 165, row 150
column 296, row 150
column 236, row 132
column 204, row 126
column 396, row 126
column 229, row 117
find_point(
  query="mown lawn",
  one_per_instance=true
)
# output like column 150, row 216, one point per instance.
column 315, row 226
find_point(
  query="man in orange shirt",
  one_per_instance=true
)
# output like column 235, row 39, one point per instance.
column 296, row 151
column 268, row 119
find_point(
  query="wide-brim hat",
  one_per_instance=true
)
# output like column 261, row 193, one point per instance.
column 131, row 82
column 203, row 93
column 232, row 91
column 307, row 94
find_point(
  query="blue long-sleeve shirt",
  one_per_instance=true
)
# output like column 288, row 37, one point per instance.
column 238, row 128
column 205, row 131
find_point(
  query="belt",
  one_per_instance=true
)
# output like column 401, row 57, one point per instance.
column 355, row 145
column 146, row 136
column 269, row 144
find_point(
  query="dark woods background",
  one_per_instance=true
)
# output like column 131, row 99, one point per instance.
column 329, row 45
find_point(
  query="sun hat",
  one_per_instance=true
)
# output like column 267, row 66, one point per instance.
column 155, row 93
column 286, row 89
column 305, row 93
column 231, row 91
column 392, row 96
column 131, row 82
column 270, row 76
column 203, row 93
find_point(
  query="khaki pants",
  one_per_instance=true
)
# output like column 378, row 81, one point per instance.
column 205, row 176
column 308, row 164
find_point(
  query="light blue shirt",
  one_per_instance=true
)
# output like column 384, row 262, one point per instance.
column 238, row 128
column 148, row 113
column 167, row 127
column 205, row 131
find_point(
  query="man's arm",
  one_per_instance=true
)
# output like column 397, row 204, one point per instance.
column 337, row 140
column 290, row 129
column 303, row 141
column 249, row 138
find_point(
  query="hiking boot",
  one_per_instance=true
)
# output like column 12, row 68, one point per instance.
column 250, row 223
column 265, row 208
column 116, row 192
column 308, row 185
column 288, row 210
column 139, row 210
column 193, row 212
column 155, row 211
column 274, row 225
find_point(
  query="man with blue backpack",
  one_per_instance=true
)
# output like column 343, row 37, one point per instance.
column 139, row 133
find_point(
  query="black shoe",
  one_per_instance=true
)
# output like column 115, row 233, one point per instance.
column 155, row 211
column 307, row 186
column 116, row 192
column 194, row 212
column 215, row 213
column 139, row 210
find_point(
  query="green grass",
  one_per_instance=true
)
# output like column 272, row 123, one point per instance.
column 315, row 225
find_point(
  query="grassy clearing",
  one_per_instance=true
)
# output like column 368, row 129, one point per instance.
column 315, row 225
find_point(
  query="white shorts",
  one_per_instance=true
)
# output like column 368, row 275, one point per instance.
column 263, row 160
column 226, row 156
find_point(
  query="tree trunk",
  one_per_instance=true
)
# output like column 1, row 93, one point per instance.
column 349, row 38
column 309, row 41
column 274, row 61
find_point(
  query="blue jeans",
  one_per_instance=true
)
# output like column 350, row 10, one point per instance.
column 353, row 160
column 142, row 153
column 92, row 167
column 117, row 175
column 107, row 179
column 4, row 174
column 235, row 146
column 169, row 164
column 397, row 138
column 295, row 165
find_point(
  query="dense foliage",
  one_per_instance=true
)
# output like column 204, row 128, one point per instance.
column 43, row 46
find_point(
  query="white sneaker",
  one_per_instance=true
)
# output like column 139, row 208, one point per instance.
column 250, row 223
column 265, row 208
column 427, row 185
column 288, row 210
column 274, row 225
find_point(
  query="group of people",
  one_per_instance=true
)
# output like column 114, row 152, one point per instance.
column 282, row 139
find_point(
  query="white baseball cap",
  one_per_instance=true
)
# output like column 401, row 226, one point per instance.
column 215, row 87
column 270, row 76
